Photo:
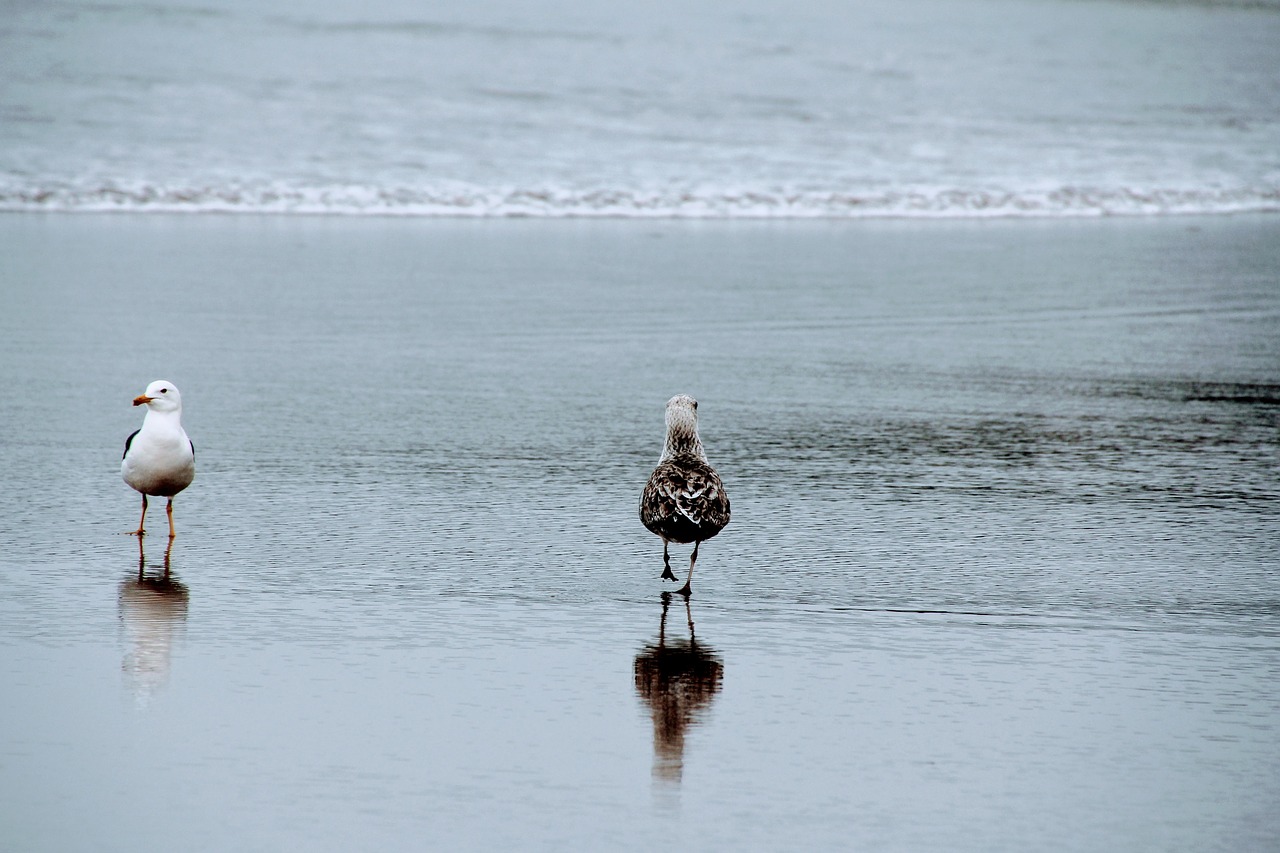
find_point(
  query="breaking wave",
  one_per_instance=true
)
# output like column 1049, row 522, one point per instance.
column 624, row 203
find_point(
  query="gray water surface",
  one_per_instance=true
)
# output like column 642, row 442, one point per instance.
column 724, row 108
column 1001, row 573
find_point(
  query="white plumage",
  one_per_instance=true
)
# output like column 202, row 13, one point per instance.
column 159, row 459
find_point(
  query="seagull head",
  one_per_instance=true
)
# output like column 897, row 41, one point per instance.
column 682, row 415
column 682, row 428
column 160, row 396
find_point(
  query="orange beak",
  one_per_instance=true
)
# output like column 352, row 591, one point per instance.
column 141, row 399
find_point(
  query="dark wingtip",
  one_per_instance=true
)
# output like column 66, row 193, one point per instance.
column 128, row 441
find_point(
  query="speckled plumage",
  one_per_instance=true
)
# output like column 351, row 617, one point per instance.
column 684, row 500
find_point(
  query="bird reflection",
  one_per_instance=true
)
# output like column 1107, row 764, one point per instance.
column 678, row 680
column 153, row 608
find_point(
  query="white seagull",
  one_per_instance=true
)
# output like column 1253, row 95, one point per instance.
column 159, row 459
column 684, row 500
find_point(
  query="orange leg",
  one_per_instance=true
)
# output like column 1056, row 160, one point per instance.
column 142, row 521
column 169, row 510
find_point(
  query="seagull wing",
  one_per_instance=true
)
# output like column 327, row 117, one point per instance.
column 688, row 489
column 128, row 441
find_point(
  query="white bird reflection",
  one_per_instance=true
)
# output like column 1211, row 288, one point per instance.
column 153, row 610
column 677, row 680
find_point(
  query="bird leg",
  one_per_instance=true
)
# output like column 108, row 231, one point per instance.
column 662, row 624
column 687, row 590
column 666, row 562
column 169, row 511
column 142, row 521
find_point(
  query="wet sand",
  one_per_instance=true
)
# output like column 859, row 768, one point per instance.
column 1000, row 575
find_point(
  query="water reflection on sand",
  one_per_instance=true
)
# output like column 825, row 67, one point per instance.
column 153, row 610
column 1004, row 572
column 678, row 680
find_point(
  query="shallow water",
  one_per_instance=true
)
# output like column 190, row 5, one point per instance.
column 1000, row 576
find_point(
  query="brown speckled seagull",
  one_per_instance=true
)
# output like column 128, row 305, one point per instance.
column 684, row 500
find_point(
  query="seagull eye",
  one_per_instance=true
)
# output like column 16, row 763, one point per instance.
column 164, row 390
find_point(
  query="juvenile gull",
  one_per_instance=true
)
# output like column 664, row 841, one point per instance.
column 684, row 500
column 159, row 459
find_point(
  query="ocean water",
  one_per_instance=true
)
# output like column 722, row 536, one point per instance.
column 926, row 108
column 1001, row 574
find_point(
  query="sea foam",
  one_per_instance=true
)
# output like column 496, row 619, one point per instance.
column 922, row 203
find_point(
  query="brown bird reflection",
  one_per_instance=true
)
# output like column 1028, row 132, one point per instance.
column 153, row 609
column 677, row 680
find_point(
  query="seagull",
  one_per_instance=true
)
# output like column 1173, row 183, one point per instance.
column 684, row 500
column 159, row 459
